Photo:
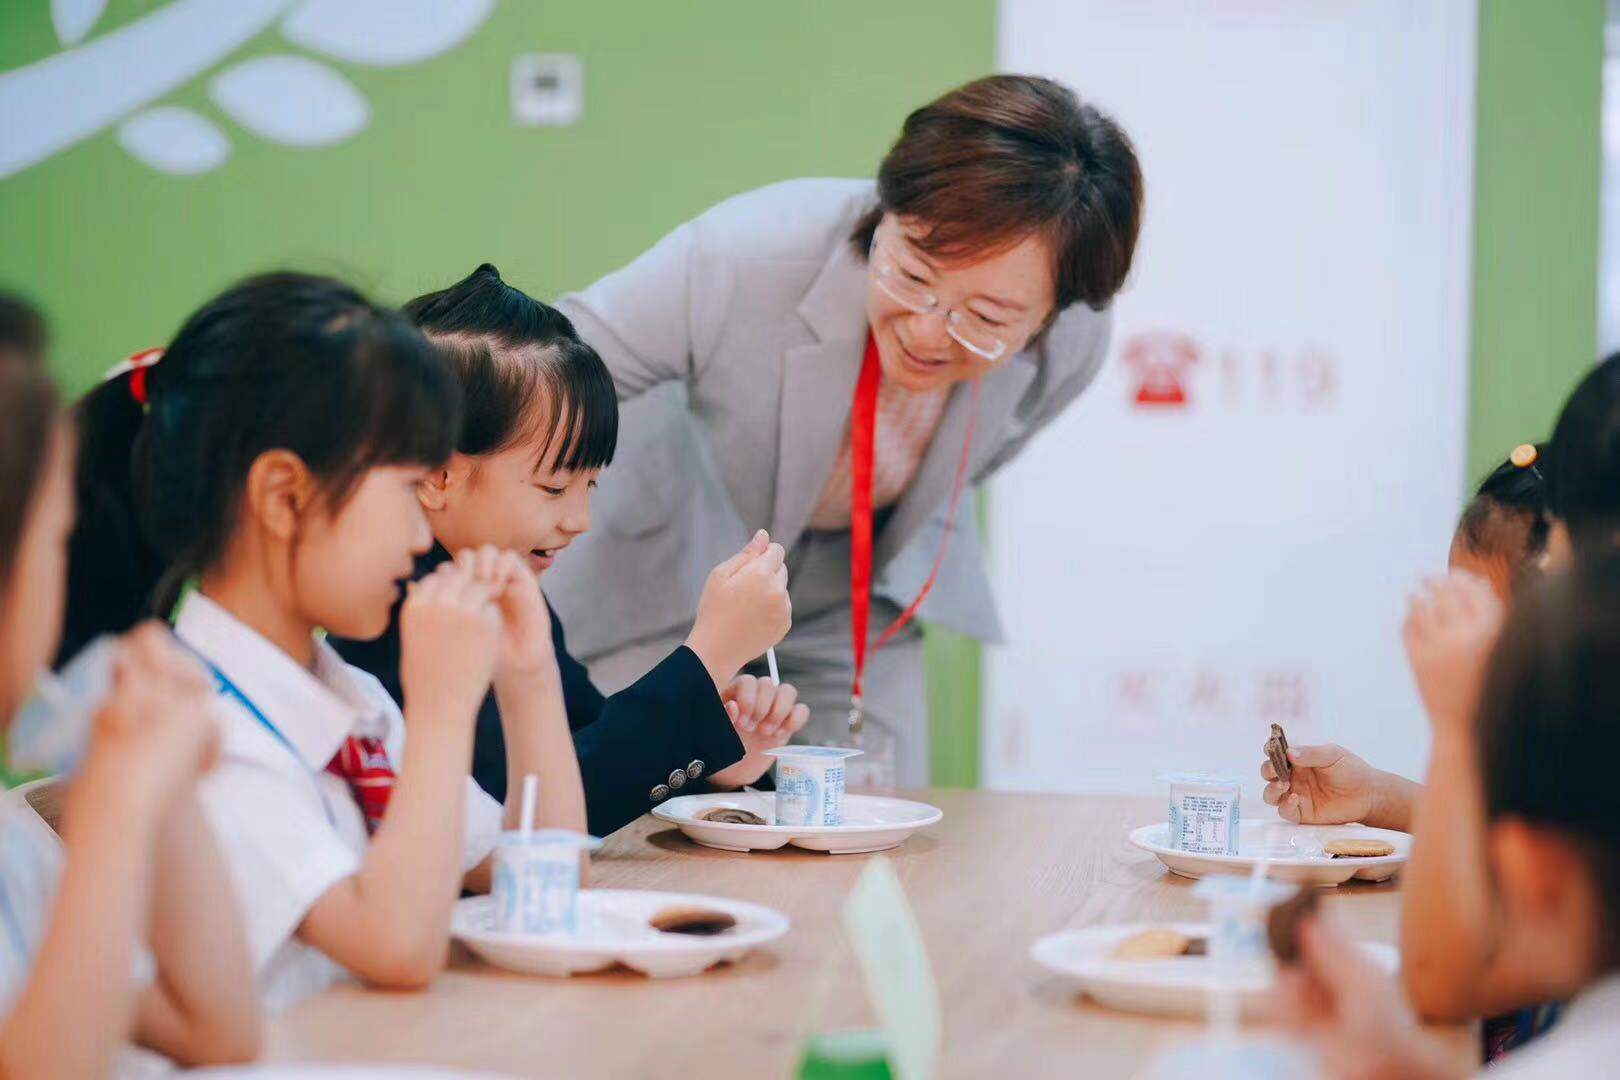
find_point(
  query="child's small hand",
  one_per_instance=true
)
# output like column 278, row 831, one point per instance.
column 1352, row 1011
column 744, row 609
column 1450, row 629
column 449, row 636
column 526, row 648
column 1329, row 786
column 766, row 715
column 157, row 728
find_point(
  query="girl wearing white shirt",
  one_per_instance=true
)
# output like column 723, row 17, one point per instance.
column 275, row 453
column 134, row 860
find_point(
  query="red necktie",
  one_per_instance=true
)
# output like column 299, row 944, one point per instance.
column 363, row 762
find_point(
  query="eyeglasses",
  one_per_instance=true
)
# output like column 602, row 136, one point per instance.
column 973, row 332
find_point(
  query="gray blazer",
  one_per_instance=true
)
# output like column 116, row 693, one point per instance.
column 736, row 342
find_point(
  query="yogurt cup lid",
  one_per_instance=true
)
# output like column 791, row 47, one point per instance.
column 1233, row 887
column 514, row 838
column 1195, row 778
column 828, row 753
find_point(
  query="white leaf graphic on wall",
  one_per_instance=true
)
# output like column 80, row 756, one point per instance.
column 384, row 33
column 74, row 18
column 291, row 100
column 174, row 140
column 116, row 77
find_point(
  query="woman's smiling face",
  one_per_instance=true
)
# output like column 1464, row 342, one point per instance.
column 1004, row 296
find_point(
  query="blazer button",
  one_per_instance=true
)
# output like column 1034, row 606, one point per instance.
column 694, row 770
column 659, row 793
column 677, row 779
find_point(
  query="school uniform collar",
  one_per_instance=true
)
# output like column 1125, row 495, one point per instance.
column 314, row 711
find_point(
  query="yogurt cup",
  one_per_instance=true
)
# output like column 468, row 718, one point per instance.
column 536, row 885
column 1238, row 907
column 810, row 784
column 1204, row 814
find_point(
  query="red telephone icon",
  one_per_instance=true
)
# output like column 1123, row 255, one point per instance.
column 1161, row 361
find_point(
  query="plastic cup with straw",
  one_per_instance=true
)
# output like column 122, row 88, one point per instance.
column 1237, row 939
column 1237, row 935
column 537, row 873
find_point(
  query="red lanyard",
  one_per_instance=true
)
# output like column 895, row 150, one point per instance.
column 863, row 434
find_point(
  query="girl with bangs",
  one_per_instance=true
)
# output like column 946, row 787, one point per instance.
column 272, row 460
column 541, row 424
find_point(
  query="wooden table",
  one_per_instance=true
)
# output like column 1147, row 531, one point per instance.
column 1000, row 871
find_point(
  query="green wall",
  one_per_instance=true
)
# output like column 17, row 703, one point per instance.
column 1537, row 164
column 685, row 104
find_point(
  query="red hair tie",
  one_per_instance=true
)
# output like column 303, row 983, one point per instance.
column 136, row 368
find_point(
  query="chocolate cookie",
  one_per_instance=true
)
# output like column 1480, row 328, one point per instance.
column 731, row 815
column 704, row 922
column 1277, row 753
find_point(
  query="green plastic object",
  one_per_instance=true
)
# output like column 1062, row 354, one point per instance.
column 846, row 1055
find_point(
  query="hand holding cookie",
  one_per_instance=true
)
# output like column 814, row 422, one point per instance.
column 1326, row 785
column 1337, row 997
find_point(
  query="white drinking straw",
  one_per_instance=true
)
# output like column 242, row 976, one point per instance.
column 770, row 660
column 1262, row 865
column 531, row 789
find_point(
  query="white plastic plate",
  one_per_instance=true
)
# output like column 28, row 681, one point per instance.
column 871, row 823
column 1296, row 852
column 1167, row 986
column 612, row 928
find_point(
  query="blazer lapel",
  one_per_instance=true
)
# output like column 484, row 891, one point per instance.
column 930, row 489
column 818, row 385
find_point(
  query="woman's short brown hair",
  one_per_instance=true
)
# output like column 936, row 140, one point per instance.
column 1007, row 156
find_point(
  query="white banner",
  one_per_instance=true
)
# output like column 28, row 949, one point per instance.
column 1223, row 531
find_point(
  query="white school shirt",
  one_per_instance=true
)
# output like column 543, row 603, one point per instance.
column 31, row 860
column 289, row 830
column 1584, row 1042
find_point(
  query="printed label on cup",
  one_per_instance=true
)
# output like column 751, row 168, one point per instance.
column 536, row 882
column 810, row 784
column 1204, row 815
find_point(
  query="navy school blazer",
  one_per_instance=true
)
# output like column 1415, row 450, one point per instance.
column 663, row 735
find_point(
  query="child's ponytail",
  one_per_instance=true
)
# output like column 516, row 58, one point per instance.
column 114, row 570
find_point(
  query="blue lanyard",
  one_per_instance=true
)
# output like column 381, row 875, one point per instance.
column 227, row 688
column 223, row 684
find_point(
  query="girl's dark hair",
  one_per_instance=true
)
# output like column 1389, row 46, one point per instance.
column 1584, row 481
column 1547, row 730
column 28, row 414
column 282, row 361
column 524, row 371
column 1007, row 156
column 1507, row 517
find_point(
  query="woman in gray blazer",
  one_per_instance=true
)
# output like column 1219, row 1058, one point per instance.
column 971, row 282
